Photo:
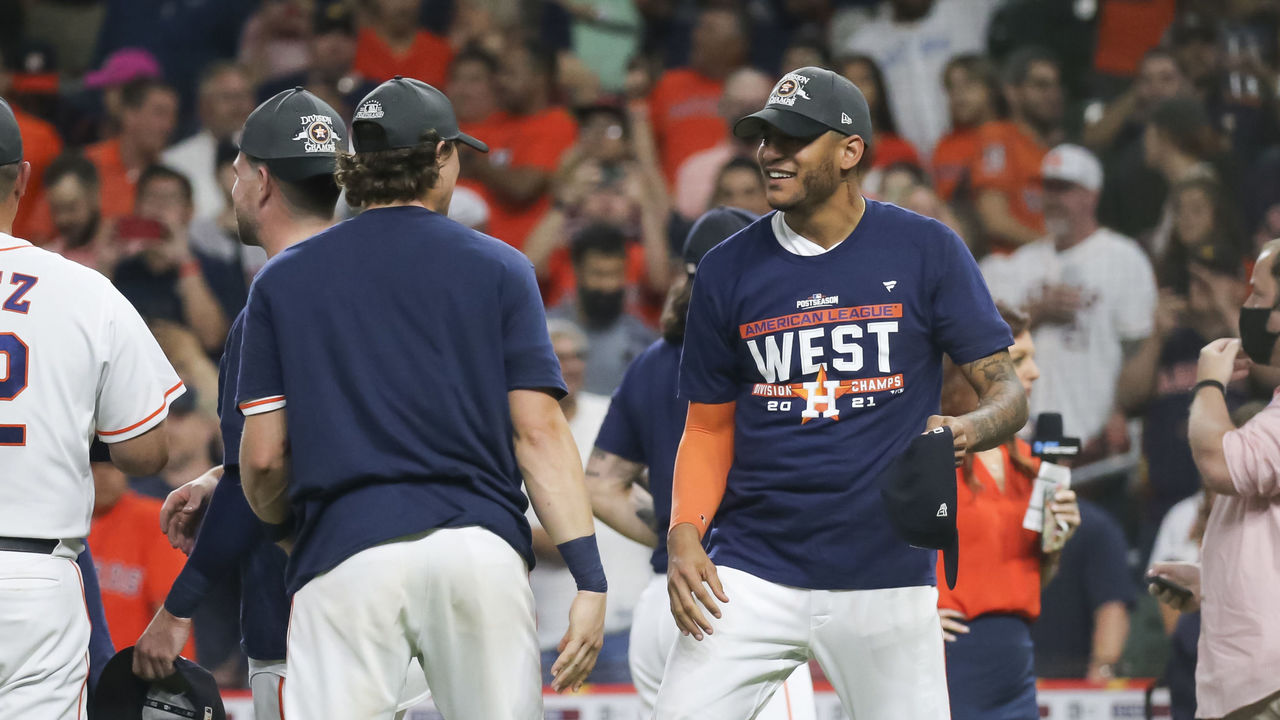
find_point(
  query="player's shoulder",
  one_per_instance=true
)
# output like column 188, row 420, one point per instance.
column 660, row 352
column 73, row 276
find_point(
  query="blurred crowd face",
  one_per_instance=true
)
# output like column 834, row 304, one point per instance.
column 602, row 287
column 968, row 98
column 1159, row 79
column 1199, row 58
column 718, row 44
column 472, row 91
column 1193, row 216
column 332, row 55
column 798, row 56
column 604, row 136
column 741, row 187
column 225, row 101
column 1039, row 96
column 519, row 79
column 1067, row 208
column 1023, row 354
column 1203, row 291
column 149, row 125
column 859, row 73
column 745, row 91
column 571, row 351
column 164, row 200
column 74, row 208
column 397, row 13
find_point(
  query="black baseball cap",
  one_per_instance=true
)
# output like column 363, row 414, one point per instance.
column 919, row 493
column 189, row 693
column 808, row 102
column 714, row 227
column 295, row 133
column 396, row 113
column 10, row 136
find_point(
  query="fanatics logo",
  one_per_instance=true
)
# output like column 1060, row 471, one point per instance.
column 817, row 300
column 317, row 134
column 371, row 110
column 890, row 285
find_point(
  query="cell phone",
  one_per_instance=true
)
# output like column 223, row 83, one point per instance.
column 1171, row 586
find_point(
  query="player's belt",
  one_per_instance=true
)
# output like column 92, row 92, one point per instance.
column 28, row 545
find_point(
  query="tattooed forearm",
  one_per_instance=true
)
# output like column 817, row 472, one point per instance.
column 610, row 480
column 1002, row 407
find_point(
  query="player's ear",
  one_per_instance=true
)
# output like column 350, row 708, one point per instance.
column 24, row 177
column 444, row 149
column 852, row 149
column 266, row 183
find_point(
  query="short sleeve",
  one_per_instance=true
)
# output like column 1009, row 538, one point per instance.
column 966, row 324
column 620, row 432
column 1252, row 454
column 137, row 383
column 528, row 359
column 260, row 385
column 1136, row 306
column 708, row 360
column 1107, row 570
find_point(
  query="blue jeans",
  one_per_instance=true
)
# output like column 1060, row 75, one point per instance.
column 991, row 671
column 611, row 665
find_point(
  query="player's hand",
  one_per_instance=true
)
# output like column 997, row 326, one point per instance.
column 1058, row 304
column 953, row 623
column 1185, row 574
column 160, row 644
column 960, row 435
column 689, row 572
column 183, row 509
column 581, row 643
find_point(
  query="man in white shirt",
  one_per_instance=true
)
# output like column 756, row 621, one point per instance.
column 1090, row 292
column 76, row 361
column 912, row 43
column 225, row 100
column 626, row 562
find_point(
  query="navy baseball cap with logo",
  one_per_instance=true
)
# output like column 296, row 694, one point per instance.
column 714, row 227
column 295, row 133
column 919, row 493
column 397, row 112
column 10, row 136
column 189, row 693
column 808, row 102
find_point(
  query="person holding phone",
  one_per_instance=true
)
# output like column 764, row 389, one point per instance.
column 986, row 619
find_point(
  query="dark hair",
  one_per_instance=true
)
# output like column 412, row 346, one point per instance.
column 220, row 67
column 1017, row 66
column 675, row 311
column 1224, row 253
column 134, row 93
column 1184, row 121
column 471, row 52
column 73, row 164
column 225, row 153
column 163, row 172
column 882, row 121
column 981, row 67
column 601, row 238
column 390, row 176
column 315, row 196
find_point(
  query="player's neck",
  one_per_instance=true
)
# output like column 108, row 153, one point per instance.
column 8, row 211
column 292, row 233
column 832, row 221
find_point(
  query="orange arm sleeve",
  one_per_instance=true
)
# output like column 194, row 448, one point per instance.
column 702, row 465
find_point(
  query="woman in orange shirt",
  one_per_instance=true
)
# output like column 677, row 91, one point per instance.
column 987, row 618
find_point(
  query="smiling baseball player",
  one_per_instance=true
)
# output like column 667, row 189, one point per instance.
column 811, row 359
column 76, row 361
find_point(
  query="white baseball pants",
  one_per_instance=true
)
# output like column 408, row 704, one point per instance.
column 881, row 650
column 457, row 599
column 267, row 679
column 653, row 637
column 44, row 637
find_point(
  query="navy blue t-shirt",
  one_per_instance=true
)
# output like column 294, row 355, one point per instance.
column 231, row 537
column 394, row 338
column 835, row 364
column 644, row 425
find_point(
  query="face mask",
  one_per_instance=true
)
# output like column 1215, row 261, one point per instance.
column 599, row 308
column 1258, row 342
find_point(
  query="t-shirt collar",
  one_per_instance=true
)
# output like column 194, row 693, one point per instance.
column 795, row 243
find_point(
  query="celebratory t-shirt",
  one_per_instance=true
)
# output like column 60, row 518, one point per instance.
column 834, row 361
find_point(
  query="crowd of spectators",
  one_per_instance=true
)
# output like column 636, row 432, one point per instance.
column 1114, row 164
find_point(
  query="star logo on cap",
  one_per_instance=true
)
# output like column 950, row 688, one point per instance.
column 319, row 132
column 787, row 88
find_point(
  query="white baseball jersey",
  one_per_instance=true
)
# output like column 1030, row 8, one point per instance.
column 75, row 360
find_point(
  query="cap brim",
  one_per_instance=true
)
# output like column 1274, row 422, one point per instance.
column 790, row 123
column 468, row 140
column 301, row 168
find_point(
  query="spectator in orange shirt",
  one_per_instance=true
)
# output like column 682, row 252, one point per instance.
column 973, row 98
column 986, row 618
column 473, row 89
column 1006, row 175
column 135, row 564
column 148, row 113
column 745, row 91
column 391, row 43
column 685, row 103
column 526, row 145
column 41, row 144
column 887, row 147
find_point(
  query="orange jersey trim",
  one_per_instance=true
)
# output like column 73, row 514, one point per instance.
column 263, row 401
column 164, row 405
column 16, row 247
